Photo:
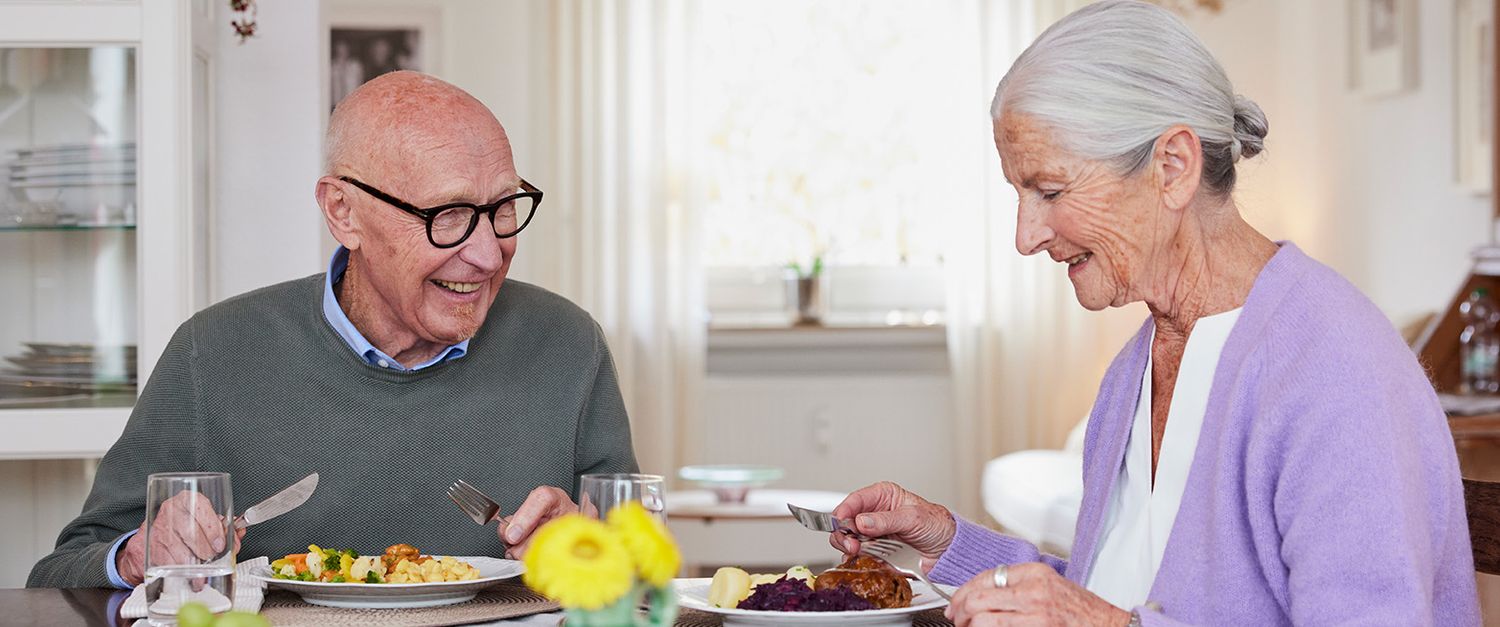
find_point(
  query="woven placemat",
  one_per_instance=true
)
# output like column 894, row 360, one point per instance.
column 505, row 600
column 696, row 618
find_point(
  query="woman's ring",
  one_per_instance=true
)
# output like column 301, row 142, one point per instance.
column 1000, row 578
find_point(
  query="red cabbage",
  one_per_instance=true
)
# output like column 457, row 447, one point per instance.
column 793, row 595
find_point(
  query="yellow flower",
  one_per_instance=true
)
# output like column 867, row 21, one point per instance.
column 579, row 563
column 648, row 542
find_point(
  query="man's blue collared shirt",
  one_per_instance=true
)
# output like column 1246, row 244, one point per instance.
column 356, row 341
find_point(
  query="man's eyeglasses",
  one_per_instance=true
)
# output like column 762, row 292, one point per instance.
column 449, row 225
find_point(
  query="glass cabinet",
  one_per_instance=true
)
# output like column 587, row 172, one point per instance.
column 68, row 214
column 103, row 209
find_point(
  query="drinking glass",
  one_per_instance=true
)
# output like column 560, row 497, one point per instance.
column 597, row 494
column 197, row 508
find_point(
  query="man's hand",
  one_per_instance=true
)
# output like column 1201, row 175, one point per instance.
column 542, row 505
column 186, row 530
column 888, row 510
column 1034, row 594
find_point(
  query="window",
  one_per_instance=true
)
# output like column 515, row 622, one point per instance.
column 836, row 131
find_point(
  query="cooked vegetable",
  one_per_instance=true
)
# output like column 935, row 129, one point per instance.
column 730, row 586
column 401, row 563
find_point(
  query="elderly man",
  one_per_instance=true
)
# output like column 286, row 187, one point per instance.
column 400, row 370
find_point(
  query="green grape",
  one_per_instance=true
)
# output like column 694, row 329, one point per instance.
column 194, row 615
column 242, row 619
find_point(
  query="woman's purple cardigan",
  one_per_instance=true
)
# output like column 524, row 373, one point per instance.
column 1324, row 489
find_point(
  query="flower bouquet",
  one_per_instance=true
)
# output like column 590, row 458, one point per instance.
column 601, row 572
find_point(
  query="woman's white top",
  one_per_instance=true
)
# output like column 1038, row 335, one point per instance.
column 1140, row 518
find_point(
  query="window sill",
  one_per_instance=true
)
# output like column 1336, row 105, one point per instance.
column 830, row 350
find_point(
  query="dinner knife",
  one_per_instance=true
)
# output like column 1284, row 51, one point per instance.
column 279, row 503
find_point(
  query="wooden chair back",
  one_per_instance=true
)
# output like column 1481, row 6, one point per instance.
column 1482, row 501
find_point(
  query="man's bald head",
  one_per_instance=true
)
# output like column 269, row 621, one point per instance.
column 428, row 144
column 389, row 122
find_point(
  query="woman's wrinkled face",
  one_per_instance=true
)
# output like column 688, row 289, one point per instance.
column 1082, row 213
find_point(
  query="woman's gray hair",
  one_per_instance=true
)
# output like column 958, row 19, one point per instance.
column 1110, row 78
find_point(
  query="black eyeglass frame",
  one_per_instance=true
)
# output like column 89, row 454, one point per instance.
column 431, row 213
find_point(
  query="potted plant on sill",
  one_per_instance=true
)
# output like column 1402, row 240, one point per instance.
column 802, row 292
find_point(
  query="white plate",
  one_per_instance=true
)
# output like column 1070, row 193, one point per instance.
column 397, row 595
column 693, row 594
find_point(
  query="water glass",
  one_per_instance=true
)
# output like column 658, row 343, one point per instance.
column 597, row 494
column 194, row 561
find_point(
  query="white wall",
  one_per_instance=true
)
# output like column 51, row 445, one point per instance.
column 1366, row 185
column 269, row 126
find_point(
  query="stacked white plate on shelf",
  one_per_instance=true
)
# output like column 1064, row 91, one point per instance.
column 82, row 184
column 47, row 372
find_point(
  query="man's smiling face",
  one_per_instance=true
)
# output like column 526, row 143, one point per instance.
column 429, row 144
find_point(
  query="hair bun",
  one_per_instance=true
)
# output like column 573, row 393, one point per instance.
column 1250, row 128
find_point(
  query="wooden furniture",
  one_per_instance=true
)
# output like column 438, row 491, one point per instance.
column 1482, row 500
column 63, row 607
column 96, row 607
column 1437, row 347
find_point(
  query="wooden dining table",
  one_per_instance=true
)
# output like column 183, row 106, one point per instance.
column 100, row 607
column 63, row 607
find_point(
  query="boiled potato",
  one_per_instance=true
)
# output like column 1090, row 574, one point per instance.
column 760, row 578
column 801, row 572
column 730, row 586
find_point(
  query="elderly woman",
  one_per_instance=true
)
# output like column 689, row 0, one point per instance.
column 1266, row 450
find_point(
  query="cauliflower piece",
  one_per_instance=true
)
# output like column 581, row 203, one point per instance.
column 314, row 560
column 365, row 566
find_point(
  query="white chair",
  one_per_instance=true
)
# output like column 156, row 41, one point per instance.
column 1035, row 494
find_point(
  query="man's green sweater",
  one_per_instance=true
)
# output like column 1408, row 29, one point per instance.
column 260, row 386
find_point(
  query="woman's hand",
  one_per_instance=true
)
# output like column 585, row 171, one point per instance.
column 1034, row 594
column 888, row 510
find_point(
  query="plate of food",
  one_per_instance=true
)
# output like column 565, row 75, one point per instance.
column 860, row 591
column 400, row 577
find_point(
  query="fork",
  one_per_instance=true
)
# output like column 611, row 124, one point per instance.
column 902, row 556
column 824, row 521
column 481, row 508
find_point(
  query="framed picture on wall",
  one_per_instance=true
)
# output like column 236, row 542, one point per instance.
column 1382, row 46
column 366, row 40
column 1474, row 93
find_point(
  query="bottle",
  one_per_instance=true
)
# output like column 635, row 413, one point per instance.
column 1479, row 344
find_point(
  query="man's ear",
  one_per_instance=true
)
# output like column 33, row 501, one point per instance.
column 337, row 212
column 1178, row 164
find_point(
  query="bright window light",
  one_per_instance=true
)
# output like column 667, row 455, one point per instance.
column 840, row 128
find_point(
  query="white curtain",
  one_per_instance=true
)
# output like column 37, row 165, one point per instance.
column 629, row 258
column 1026, row 358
